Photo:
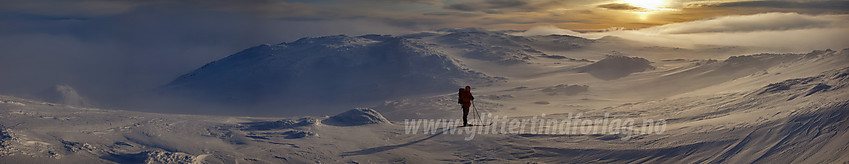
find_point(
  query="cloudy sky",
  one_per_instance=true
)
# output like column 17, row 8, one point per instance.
column 109, row 47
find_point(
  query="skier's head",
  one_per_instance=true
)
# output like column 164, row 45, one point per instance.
column 468, row 88
column 461, row 89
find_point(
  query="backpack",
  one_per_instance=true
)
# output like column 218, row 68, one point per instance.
column 460, row 98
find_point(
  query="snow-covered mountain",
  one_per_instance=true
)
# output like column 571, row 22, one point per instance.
column 490, row 46
column 325, row 70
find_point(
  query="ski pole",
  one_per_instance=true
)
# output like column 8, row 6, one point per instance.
column 480, row 119
column 472, row 112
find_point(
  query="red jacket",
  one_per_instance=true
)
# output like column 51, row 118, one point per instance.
column 466, row 98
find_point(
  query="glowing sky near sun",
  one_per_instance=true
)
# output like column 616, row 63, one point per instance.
column 647, row 4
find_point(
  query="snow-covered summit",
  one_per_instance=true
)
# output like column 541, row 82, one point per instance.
column 339, row 41
column 490, row 46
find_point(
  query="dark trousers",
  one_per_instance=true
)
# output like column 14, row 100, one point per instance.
column 465, row 115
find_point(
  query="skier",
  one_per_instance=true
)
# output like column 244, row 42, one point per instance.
column 466, row 101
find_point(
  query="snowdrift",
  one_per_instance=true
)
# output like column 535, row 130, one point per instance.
column 817, row 137
column 814, row 129
column 358, row 116
column 614, row 67
column 818, row 134
column 707, row 73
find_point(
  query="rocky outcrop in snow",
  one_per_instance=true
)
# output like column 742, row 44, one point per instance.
column 152, row 157
column 279, row 124
column 4, row 137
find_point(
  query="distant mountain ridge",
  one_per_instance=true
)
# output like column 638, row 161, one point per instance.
column 331, row 69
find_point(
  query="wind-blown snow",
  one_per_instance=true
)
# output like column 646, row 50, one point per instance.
column 63, row 94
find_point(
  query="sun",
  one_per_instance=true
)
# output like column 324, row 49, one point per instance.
column 647, row 4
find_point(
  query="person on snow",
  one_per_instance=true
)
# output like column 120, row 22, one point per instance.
column 466, row 101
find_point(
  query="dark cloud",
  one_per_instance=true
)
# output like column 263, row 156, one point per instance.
column 291, row 10
column 506, row 3
column 713, row 9
column 842, row 5
column 453, row 13
column 82, row 8
column 465, row 7
column 620, row 6
column 430, row 2
column 504, row 6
